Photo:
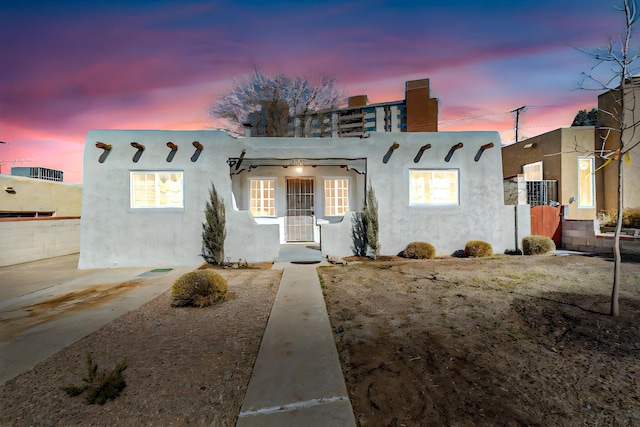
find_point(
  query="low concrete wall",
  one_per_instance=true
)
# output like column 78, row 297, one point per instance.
column 584, row 235
column 32, row 239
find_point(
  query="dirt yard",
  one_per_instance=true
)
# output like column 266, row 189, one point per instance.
column 506, row 341
column 185, row 366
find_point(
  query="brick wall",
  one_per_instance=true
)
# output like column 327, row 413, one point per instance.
column 584, row 236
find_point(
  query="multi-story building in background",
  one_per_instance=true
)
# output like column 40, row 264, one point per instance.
column 418, row 112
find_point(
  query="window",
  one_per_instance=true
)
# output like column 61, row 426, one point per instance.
column 157, row 189
column 336, row 197
column 532, row 171
column 434, row 187
column 262, row 199
column 585, row 182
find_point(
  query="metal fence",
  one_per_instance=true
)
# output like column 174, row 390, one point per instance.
column 542, row 192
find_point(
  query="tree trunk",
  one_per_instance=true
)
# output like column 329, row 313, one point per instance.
column 617, row 257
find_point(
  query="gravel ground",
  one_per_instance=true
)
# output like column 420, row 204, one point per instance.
column 185, row 366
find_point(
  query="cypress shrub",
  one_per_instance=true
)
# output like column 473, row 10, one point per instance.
column 214, row 229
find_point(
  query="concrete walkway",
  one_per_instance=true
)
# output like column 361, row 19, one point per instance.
column 297, row 379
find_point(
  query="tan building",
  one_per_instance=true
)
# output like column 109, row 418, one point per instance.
column 609, row 141
column 558, row 167
column 39, row 218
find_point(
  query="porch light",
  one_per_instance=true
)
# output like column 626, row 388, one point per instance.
column 299, row 169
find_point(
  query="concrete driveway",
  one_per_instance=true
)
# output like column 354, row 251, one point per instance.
column 49, row 304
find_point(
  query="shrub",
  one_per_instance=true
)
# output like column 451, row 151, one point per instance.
column 535, row 245
column 477, row 248
column 419, row 250
column 199, row 288
column 630, row 218
column 100, row 386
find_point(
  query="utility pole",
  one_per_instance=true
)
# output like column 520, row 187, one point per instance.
column 518, row 111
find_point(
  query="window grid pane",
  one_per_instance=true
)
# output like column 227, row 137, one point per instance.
column 262, row 200
column 156, row 190
column 336, row 197
column 433, row 187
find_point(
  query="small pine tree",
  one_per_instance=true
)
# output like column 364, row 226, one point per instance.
column 370, row 222
column 213, row 229
column 358, row 235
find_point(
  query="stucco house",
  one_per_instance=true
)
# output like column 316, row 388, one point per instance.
column 144, row 193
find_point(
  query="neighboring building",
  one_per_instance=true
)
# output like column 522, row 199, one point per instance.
column 144, row 206
column 38, row 219
column 418, row 112
column 609, row 141
column 557, row 168
column 23, row 197
column 38, row 173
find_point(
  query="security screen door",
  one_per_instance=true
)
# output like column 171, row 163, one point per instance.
column 299, row 219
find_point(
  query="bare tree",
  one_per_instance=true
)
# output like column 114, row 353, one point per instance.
column 269, row 104
column 620, row 123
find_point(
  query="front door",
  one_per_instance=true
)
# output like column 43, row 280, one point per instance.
column 299, row 220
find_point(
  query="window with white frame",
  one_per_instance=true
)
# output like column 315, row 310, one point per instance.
column 586, row 182
column 532, row 171
column 336, row 197
column 157, row 189
column 434, row 187
column 262, row 197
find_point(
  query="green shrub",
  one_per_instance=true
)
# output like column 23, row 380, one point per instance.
column 419, row 250
column 199, row 288
column 477, row 248
column 100, row 386
column 535, row 245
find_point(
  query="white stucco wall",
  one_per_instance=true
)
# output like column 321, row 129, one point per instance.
column 113, row 234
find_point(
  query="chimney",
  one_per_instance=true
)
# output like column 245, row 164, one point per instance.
column 358, row 101
column 422, row 110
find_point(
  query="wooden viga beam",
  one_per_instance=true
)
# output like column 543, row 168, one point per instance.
column 422, row 149
column 387, row 156
column 105, row 153
column 174, row 148
column 452, row 150
column 199, row 147
column 481, row 150
column 139, row 149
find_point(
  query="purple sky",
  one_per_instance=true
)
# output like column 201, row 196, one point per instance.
column 71, row 66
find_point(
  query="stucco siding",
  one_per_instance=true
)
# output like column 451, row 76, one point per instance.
column 114, row 234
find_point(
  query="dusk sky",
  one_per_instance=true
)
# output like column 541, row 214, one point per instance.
column 71, row 66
